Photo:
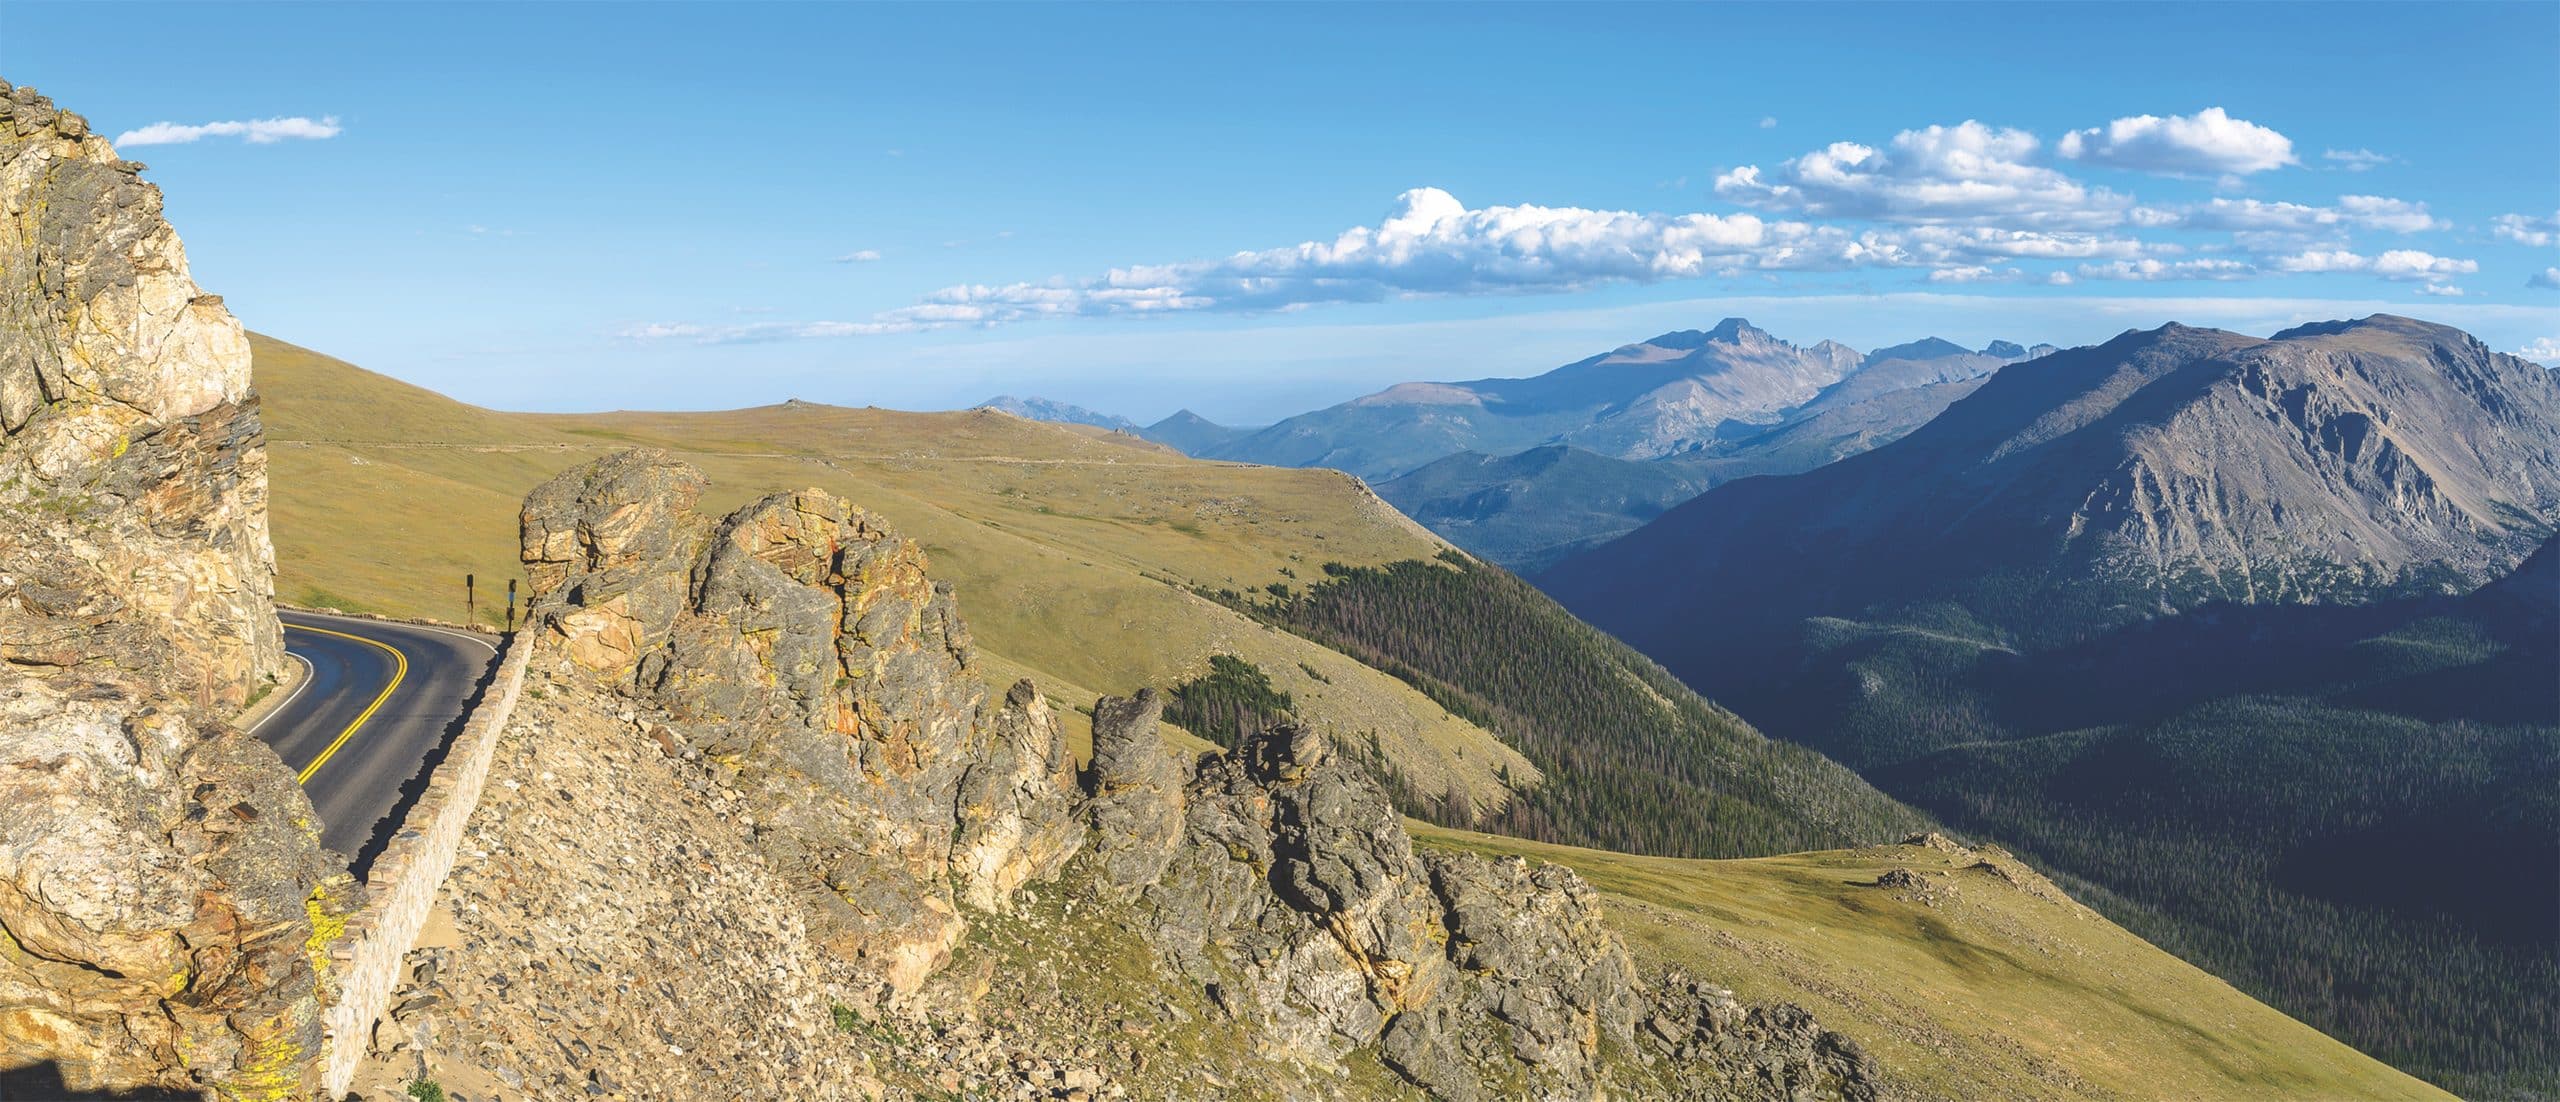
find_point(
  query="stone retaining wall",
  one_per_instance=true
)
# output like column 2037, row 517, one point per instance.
column 401, row 887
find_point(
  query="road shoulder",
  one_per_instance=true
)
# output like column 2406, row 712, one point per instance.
column 288, row 685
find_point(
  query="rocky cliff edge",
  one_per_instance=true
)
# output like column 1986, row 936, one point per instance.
column 165, row 906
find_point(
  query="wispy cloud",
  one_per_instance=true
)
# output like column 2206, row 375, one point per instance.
column 2355, row 160
column 859, row 256
column 2207, row 143
column 1977, row 273
column 2363, row 212
column 253, row 131
column 2149, row 269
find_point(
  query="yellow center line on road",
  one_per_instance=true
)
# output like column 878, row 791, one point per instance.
column 399, row 669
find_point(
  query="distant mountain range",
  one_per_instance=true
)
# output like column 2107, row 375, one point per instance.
column 1643, row 401
column 1064, row 413
column 1528, row 509
column 1185, row 431
column 2155, row 473
column 2241, row 630
column 1523, row 472
column 1192, row 434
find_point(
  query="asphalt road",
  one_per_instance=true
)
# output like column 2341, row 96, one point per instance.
column 379, row 701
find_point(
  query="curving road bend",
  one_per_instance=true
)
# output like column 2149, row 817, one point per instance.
column 380, row 701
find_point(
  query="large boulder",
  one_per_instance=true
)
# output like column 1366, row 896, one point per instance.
column 801, row 642
column 610, row 540
column 165, row 906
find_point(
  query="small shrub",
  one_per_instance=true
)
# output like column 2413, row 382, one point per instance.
column 426, row 1090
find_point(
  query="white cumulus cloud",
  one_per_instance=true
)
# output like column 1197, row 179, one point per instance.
column 1429, row 244
column 2207, row 143
column 2400, row 264
column 2528, row 229
column 2324, row 260
column 1966, row 173
column 2411, row 264
column 254, row 131
column 2547, row 279
column 2544, row 350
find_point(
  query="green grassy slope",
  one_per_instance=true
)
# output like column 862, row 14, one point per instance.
column 1978, row 980
column 1074, row 551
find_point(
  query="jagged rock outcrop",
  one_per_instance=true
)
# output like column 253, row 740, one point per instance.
column 1296, row 899
column 791, row 678
column 1013, row 826
column 165, row 901
column 1299, row 902
column 800, row 642
column 611, row 538
column 1133, row 795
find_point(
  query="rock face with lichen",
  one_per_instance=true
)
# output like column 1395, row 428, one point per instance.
column 800, row 642
column 1296, row 899
column 165, row 901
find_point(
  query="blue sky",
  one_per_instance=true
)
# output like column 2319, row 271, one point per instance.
column 1252, row 210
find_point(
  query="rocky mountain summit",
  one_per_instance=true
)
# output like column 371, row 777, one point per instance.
column 1687, row 393
column 1258, row 920
column 1530, row 509
column 164, row 896
column 1192, row 434
column 2155, row 473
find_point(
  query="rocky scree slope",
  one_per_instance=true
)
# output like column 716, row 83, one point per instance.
column 1258, row 920
column 165, row 906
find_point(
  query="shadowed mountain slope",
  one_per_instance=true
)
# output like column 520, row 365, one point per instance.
column 2198, row 618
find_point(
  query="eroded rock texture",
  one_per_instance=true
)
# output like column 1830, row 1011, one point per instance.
column 801, row 643
column 1296, row 898
column 798, row 653
column 165, row 902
